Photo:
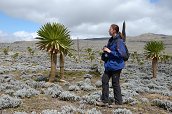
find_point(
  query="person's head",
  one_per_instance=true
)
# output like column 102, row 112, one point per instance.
column 113, row 29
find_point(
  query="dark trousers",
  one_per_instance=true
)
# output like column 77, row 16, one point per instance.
column 115, row 84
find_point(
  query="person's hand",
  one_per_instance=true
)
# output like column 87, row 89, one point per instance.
column 106, row 49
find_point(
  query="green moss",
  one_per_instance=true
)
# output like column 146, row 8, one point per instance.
column 94, row 73
column 69, row 74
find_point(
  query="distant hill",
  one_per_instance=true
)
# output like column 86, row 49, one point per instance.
column 150, row 36
column 142, row 37
column 102, row 38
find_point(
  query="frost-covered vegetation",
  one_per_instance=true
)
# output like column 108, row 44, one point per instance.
column 24, row 81
column 121, row 111
column 7, row 101
column 166, row 104
column 67, row 109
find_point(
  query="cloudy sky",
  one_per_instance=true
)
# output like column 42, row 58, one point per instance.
column 20, row 19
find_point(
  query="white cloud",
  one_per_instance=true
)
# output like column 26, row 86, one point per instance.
column 17, row 36
column 30, row 36
column 25, row 35
column 93, row 17
column 4, row 37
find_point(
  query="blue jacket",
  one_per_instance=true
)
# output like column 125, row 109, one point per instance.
column 115, row 61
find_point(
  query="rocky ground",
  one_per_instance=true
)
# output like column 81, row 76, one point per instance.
column 24, row 90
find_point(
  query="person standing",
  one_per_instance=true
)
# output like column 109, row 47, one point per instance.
column 113, row 66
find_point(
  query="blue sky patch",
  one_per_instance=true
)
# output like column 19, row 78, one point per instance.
column 154, row 1
column 11, row 24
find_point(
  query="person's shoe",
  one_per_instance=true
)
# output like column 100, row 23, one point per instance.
column 111, row 105
column 118, row 103
column 102, row 104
